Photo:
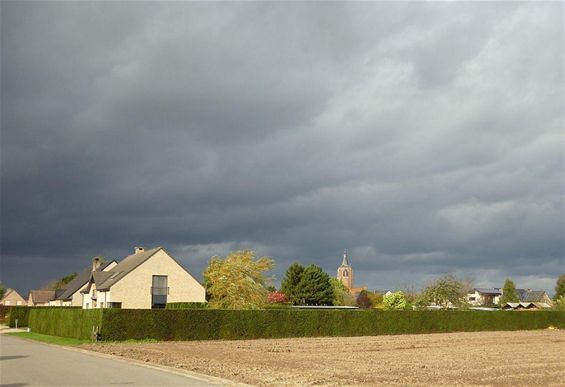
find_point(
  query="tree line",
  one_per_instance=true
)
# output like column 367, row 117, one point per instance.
column 238, row 281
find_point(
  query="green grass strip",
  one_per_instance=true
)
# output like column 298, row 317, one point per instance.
column 66, row 341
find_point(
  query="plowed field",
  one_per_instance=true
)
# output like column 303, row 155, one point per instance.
column 478, row 358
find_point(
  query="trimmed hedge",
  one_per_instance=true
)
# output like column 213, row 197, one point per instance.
column 211, row 324
column 19, row 313
column 65, row 321
column 187, row 305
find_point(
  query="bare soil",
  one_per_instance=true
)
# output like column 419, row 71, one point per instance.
column 477, row 358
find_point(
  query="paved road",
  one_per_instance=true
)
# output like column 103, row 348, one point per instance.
column 27, row 363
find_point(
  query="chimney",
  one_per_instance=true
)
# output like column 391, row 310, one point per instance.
column 96, row 262
column 139, row 249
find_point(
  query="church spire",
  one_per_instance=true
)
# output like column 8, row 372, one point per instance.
column 345, row 261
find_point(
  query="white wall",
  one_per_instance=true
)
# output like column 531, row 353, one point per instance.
column 134, row 290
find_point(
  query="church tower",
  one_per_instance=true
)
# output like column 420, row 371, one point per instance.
column 345, row 272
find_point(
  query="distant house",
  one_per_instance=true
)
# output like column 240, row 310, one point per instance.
column 72, row 295
column 42, row 297
column 491, row 296
column 535, row 296
column 11, row 297
column 146, row 279
column 525, row 305
column 484, row 296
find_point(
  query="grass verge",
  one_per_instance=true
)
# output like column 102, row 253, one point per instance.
column 70, row 341
column 49, row 339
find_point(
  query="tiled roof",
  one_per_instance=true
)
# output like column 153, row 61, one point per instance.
column 528, row 295
column 79, row 281
column 535, row 296
column 522, row 294
column 493, row 291
column 526, row 305
column 126, row 266
column 42, row 296
column 101, row 276
column 12, row 295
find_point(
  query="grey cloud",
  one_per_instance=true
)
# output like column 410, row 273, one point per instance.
column 425, row 137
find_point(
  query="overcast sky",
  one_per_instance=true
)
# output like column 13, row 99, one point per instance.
column 426, row 138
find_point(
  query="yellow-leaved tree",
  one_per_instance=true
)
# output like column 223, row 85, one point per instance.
column 237, row 281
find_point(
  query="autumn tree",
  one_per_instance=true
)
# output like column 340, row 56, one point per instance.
column 315, row 287
column 290, row 282
column 410, row 293
column 445, row 291
column 509, row 293
column 363, row 300
column 60, row 283
column 376, row 299
column 237, row 281
column 342, row 296
column 560, row 287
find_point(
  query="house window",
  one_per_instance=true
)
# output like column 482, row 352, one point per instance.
column 87, row 305
column 159, row 291
column 8, row 302
column 117, row 305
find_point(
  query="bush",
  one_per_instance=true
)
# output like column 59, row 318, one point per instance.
column 277, row 297
column 65, row 321
column 559, row 303
column 395, row 301
column 186, row 305
column 210, row 324
column 364, row 301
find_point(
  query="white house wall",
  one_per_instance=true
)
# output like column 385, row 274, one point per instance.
column 134, row 290
column 77, row 297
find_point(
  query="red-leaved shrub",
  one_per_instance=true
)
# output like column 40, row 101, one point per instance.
column 277, row 297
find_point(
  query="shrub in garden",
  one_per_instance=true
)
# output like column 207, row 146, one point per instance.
column 277, row 297
column 395, row 301
column 363, row 300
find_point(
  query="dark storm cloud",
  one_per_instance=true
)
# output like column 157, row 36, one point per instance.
column 425, row 137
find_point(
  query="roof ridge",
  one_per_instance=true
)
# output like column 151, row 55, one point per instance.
column 127, row 265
